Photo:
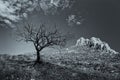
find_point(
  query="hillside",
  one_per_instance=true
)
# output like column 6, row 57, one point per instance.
column 90, row 56
column 23, row 70
column 88, row 59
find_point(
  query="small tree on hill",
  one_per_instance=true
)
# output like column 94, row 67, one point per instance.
column 41, row 37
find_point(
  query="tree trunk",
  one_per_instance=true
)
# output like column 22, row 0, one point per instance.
column 38, row 56
column 38, row 60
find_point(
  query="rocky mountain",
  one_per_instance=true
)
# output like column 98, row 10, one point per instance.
column 91, row 50
column 95, row 43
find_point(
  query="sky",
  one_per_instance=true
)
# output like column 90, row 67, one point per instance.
column 83, row 18
column 102, row 20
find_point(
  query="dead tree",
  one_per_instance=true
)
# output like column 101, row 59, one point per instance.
column 41, row 37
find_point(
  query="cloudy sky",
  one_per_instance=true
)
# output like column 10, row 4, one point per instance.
column 83, row 18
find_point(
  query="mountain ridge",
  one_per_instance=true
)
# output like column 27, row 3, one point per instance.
column 95, row 43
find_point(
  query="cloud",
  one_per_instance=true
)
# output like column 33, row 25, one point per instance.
column 51, row 6
column 73, row 20
column 55, row 2
column 78, row 23
column 14, row 10
column 7, row 11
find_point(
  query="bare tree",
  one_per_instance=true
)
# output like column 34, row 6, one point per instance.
column 41, row 37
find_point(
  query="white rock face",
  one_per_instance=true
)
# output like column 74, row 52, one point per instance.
column 82, row 41
column 95, row 43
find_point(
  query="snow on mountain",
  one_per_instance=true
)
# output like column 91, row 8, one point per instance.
column 95, row 43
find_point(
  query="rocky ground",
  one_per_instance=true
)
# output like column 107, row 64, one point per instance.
column 22, row 70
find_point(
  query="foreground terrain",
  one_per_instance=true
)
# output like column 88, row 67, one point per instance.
column 88, row 60
column 23, row 70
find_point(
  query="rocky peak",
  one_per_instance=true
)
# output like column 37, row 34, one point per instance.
column 95, row 43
